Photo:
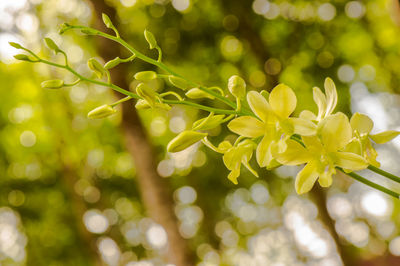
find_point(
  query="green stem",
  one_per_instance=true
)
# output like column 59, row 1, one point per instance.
column 370, row 183
column 156, row 63
column 384, row 173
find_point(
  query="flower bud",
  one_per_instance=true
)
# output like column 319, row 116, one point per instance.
column 147, row 93
column 237, row 86
column 142, row 104
column 16, row 45
column 101, row 112
column 52, row 45
column 52, row 84
column 145, row 76
column 107, row 21
column 23, row 57
column 184, row 140
column 64, row 27
column 112, row 63
column 196, row 93
column 96, row 67
column 179, row 82
column 208, row 122
column 151, row 40
column 89, row 31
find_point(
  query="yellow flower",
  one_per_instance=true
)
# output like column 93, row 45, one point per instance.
column 326, row 102
column 322, row 153
column 272, row 122
column 234, row 156
column 361, row 143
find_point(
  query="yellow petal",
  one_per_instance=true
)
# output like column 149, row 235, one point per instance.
column 306, row 178
column 260, row 106
column 233, row 175
column 320, row 100
column 385, row 136
column 247, row 126
column 306, row 114
column 335, row 131
column 232, row 159
column 208, row 122
column 294, row 154
column 312, row 143
column 362, row 123
column 350, row 161
column 371, row 154
column 254, row 172
column 354, row 146
column 325, row 176
column 263, row 152
column 331, row 96
column 282, row 100
column 184, row 140
column 303, row 127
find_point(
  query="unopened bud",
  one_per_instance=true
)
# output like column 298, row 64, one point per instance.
column 208, row 122
column 147, row 93
column 237, row 86
column 179, row 82
column 96, row 67
column 196, row 93
column 52, row 84
column 101, row 112
column 16, row 45
column 184, row 140
column 145, row 76
column 107, row 21
column 112, row 63
column 151, row 40
column 142, row 104
column 64, row 27
column 52, row 45
column 23, row 57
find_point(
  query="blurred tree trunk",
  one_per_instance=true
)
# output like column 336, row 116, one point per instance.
column 155, row 192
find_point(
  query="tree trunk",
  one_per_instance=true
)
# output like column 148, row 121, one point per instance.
column 155, row 192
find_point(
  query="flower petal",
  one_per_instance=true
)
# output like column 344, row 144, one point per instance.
column 362, row 123
column 232, row 159
column 371, row 154
column 247, row 126
column 325, row 177
column 320, row 100
column 263, row 152
column 350, row 161
column 260, row 106
column 306, row 178
column 385, row 136
column 335, row 131
column 306, row 114
column 303, row 126
column 294, row 154
column 282, row 100
column 331, row 96
column 233, row 175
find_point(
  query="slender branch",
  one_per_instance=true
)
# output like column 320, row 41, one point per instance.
column 370, row 183
column 384, row 173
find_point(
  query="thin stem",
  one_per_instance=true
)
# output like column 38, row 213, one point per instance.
column 127, row 98
column 370, row 183
column 156, row 63
column 384, row 173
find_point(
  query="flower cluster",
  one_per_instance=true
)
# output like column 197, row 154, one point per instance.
column 322, row 141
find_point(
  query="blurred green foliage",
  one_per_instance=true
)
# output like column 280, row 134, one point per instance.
column 58, row 168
